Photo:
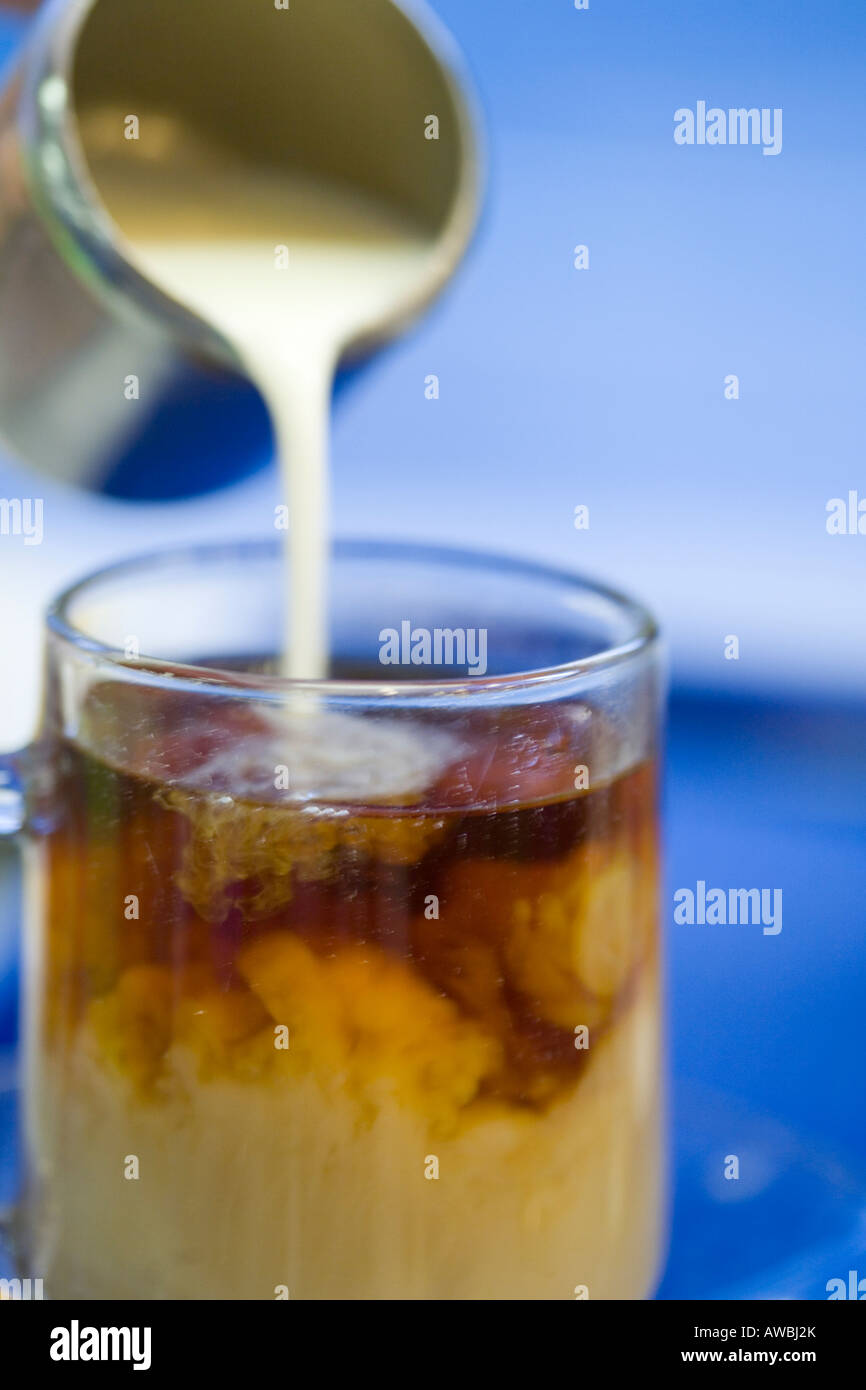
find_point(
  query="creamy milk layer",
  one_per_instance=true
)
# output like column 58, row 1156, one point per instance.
column 294, row 1182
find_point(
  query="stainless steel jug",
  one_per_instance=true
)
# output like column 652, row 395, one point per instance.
column 368, row 91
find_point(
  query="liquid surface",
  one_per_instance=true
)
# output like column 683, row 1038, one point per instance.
column 290, row 271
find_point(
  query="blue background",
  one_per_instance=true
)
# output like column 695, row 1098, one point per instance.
column 605, row 387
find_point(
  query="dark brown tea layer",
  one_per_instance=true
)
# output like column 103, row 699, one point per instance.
column 465, row 943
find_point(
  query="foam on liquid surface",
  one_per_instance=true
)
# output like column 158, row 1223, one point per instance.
column 329, row 757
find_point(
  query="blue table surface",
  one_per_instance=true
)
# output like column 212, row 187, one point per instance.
column 765, row 1032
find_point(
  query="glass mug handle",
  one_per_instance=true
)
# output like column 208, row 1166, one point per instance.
column 11, row 822
column 11, row 794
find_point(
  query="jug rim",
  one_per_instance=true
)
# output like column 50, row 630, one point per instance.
column 93, row 246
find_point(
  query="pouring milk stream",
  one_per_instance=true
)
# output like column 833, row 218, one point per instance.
column 290, row 269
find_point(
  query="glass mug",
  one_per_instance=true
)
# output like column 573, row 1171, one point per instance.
column 343, row 989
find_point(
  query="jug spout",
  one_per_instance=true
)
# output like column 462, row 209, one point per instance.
column 106, row 381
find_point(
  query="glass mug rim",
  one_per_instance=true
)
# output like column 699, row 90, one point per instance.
column 641, row 639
